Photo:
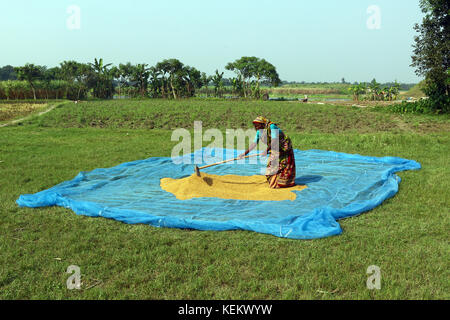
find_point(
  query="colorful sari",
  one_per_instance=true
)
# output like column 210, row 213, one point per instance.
column 281, row 174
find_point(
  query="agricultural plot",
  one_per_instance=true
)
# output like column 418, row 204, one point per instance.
column 11, row 111
column 222, row 114
column 139, row 261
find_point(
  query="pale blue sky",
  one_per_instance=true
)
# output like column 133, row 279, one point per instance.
column 320, row 40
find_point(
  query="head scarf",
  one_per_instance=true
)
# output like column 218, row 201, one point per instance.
column 262, row 120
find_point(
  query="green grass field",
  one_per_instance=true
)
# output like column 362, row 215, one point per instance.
column 407, row 236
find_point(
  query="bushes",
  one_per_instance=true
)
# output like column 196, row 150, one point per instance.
column 374, row 92
column 423, row 106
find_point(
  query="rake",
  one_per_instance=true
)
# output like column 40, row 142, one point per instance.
column 197, row 169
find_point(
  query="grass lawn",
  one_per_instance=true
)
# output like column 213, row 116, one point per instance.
column 407, row 236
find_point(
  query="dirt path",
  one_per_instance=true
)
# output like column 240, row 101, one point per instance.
column 29, row 116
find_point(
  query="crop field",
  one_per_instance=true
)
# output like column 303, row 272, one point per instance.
column 10, row 111
column 223, row 114
column 407, row 236
column 311, row 89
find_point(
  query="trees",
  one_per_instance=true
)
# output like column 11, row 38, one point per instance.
column 139, row 75
column 31, row 74
column 237, row 85
column 69, row 70
column 244, row 68
column 358, row 90
column 79, row 76
column 193, row 80
column 156, row 83
column 394, row 91
column 372, row 91
column 49, row 75
column 431, row 56
column 256, row 70
column 375, row 90
column 101, row 79
column 205, row 81
column 175, row 79
column 99, row 67
column 217, row 80
column 7, row 73
column 266, row 72
column 123, row 74
column 169, row 78
column 117, row 77
column 172, row 68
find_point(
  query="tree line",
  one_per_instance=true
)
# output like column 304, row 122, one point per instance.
column 169, row 79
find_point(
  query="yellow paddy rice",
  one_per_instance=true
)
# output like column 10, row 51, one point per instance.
column 227, row 187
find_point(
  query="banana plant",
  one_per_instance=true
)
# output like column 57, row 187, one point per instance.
column 357, row 90
column 192, row 78
column 155, row 82
column 102, row 80
column 374, row 87
column 205, row 81
column 394, row 90
column 238, row 86
column 218, row 83
column 99, row 67
column 139, row 75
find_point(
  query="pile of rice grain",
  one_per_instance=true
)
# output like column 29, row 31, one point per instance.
column 227, row 187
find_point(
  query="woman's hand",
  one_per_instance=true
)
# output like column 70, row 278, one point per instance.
column 241, row 156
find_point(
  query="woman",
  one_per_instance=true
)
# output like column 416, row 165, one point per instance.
column 280, row 170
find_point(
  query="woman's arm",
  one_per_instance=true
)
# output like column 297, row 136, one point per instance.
column 250, row 148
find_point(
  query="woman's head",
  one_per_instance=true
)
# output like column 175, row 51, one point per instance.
column 260, row 123
column 258, row 126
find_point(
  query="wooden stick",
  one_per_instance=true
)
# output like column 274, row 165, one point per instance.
column 215, row 164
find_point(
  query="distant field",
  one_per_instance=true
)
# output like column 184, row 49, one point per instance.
column 415, row 92
column 312, row 90
column 407, row 236
column 332, row 88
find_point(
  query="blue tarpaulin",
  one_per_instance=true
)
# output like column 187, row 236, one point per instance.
column 339, row 185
